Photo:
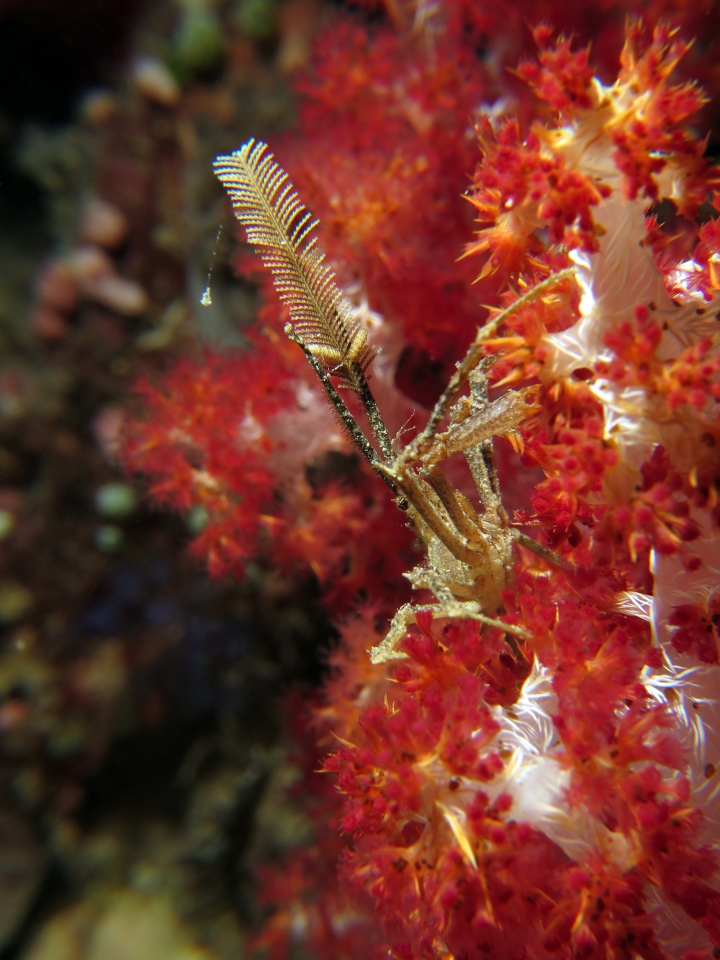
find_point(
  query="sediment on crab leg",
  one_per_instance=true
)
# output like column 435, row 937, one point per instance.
column 481, row 457
column 497, row 419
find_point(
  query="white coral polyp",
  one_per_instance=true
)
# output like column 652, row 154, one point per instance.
column 538, row 782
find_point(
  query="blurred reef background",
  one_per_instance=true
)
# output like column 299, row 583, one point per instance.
column 142, row 767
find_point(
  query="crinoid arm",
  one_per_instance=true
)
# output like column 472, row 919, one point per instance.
column 281, row 229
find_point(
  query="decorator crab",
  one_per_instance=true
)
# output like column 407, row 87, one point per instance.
column 469, row 554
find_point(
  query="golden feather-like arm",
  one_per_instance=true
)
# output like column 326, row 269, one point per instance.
column 281, row 229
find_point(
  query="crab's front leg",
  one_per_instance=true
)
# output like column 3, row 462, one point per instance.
column 497, row 419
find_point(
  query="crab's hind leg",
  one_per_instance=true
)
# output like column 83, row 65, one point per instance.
column 447, row 608
column 387, row 648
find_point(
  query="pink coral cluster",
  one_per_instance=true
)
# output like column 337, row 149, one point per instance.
column 555, row 795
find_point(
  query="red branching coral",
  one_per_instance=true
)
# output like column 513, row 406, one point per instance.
column 517, row 190
column 566, row 441
column 390, row 203
column 183, row 445
column 209, row 442
column 561, row 76
column 538, row 779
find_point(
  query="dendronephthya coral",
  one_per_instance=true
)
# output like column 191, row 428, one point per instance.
column 529, row 771
column 577, row 812
column 643, row 347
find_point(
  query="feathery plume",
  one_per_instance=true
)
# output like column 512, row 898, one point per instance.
column 280, row 227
